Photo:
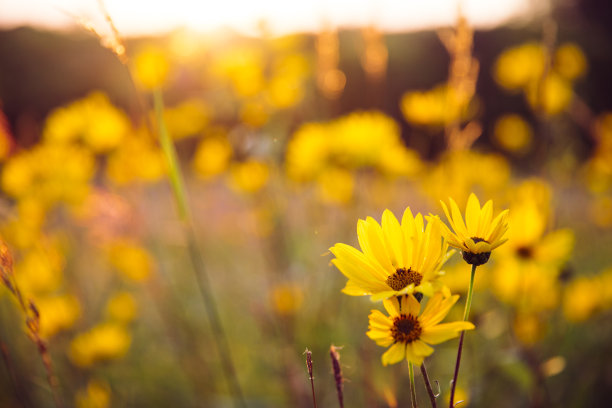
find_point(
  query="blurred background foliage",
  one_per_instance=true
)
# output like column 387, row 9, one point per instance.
column 285, row 142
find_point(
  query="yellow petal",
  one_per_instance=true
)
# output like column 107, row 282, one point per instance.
column 472, row 215
column 412, row 356
column 359, row 259
column 421, row 349
column 457, row 220
column 442, row 332
column 394, row 238
column 436, row 309
column 395, row 354
column 392, row 306
column 485, row 219
column 353, row 289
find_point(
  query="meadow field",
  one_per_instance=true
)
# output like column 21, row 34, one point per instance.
column 224, row 220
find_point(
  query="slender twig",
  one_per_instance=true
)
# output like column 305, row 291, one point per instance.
column 412, row 386
column 310, row 376
column 203, row 282
column 432, row 396
column 466, row 314
column 32, row 319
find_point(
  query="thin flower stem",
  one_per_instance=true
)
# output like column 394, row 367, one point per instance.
column 430, row 392
column 466, row 314
column 412, row 386
column 203, row 282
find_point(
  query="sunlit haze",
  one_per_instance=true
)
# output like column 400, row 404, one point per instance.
column 147, row 17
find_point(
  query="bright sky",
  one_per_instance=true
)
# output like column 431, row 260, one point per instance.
column 281, row 16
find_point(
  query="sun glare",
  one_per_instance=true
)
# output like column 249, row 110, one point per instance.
column 149, row 17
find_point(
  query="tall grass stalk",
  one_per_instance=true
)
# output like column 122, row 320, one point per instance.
column 432, row 396
column 32, row 320
column 203, row 282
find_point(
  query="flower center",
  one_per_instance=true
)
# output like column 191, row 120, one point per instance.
column 406, row 329
column 404, row 277
column 525, row 252
column 477, row 259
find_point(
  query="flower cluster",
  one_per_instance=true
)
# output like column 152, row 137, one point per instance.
column 400, row 263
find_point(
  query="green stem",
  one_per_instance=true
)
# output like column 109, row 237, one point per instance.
column 468, row 302
column 466, row 314
column 180, row 196
column 175, row 175
column 412, row 386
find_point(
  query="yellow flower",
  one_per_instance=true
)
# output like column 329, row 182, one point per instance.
column 480, row 234
column 103, row 342
column 96, row 395
column 570, row 61
column 287, row 299
column 249, row 176
column 513, row 134
column 131, row 260
column 151, row 68
column 408, row 333
column 394, row 259
column 57, row 313
column 519, row 66
column 122, row 307
column 212, row 156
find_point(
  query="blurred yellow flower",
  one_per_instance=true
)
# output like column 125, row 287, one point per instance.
column 131, row 260
column 121, row 307
column 103, row 342
column 50, row 173
column 409, row 333
column 395, row 259
column 360, row 139
column 188, row 118
column 458, row 172
column 569, row 61
column 520, row 66
column 287, row 299
column 151, row 67
column 137, row 160
column 513, row 134
column 480, row 234
column 212, row 157
column 57, row 313
column 93, row 120
column 438, row 106
column 552, row 95
column 96, row 395
column 243, row 68
column 581, row 298
column 527, row 270
column 249, row 176
column 40, row 270
column 308, row 151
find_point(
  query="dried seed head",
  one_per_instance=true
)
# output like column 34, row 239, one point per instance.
column 309, row 363
column 335, row 357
